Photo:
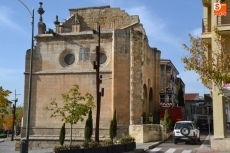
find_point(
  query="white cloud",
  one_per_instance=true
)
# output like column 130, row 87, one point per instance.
column 196, row 32
column 156, row 28
column 6, row 19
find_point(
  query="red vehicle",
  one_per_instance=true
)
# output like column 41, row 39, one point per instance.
column 176, row 114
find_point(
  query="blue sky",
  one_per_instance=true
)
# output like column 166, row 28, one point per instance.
column 167, row 24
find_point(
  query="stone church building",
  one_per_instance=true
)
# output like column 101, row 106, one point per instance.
column 60, row 61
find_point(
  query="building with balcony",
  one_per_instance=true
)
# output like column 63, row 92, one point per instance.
column 168, row 83
column 181, row 83
column 220, row 137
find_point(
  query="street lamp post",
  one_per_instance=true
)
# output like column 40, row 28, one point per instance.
column 14, row 116
column 98, row 81
column 25, row 146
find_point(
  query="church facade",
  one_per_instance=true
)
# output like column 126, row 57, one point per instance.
column 129, row 66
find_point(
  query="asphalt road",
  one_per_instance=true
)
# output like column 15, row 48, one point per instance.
column 181, row 147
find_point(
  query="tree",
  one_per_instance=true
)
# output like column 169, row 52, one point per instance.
column 62, row 135
column 210, row 65
column 3, row 99
column 75, row 107
column 113, row 126
column 8, row 122
column 180, row 95
column 167, row 121
column 19, row 115
column 89, row 127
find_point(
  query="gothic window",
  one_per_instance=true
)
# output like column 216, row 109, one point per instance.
column 84, row 54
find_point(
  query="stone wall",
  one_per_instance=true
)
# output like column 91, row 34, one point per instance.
column 49, row 137
column 104, row 15
column 136, row 82
column 149, row 133
column 121, row 71
column 38, row 142
column 165, row 133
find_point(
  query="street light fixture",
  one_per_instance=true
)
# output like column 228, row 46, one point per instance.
column 25, row 145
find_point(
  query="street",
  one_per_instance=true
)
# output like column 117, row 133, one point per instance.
column 169, row 147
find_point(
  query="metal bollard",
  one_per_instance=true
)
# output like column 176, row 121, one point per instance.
column 23, row 146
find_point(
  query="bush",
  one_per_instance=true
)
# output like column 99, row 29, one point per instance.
column 113, row 126
column 107, row 142
column 65, row 147
column 167, row 121
column 126, row 139
column 62, row 135
column 94, row 144
column 3, row 135
column 88, row 127
column 86, row 144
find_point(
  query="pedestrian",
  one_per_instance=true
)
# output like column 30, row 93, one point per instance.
column 199, row 123
column 150, row 118
column 144, row 118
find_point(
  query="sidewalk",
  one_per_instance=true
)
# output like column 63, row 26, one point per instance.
column 2, row 140
column 205, row 148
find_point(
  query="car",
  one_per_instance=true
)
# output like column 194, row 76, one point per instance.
column 186, row 131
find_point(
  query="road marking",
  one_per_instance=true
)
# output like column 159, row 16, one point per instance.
column 155, row 150
column 171, row 150
column 187, row 151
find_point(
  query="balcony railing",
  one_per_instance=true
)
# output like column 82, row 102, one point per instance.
column 206, row 27
column 224, row 19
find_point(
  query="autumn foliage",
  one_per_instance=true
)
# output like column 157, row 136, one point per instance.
column 8, row 122
column 211, row 65
column 3, row 99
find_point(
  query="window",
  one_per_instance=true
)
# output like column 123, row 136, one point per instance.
column 162, row 98
column 181, row 125
column 69, row 59
column 103, row 58
column 84, row 54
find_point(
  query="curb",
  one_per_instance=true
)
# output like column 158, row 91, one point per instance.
column 204, row 145
column 154, row 145
column 2, row 140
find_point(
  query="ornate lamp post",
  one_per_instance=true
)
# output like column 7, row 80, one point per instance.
column 24, row 145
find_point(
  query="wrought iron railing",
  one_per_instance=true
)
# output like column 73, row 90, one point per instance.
column 206, row 27
column 224, row 19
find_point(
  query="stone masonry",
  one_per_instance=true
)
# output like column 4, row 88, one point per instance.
column 61, row 61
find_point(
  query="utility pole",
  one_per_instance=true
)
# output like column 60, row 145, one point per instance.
column 98, row 82
column 14, row 115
